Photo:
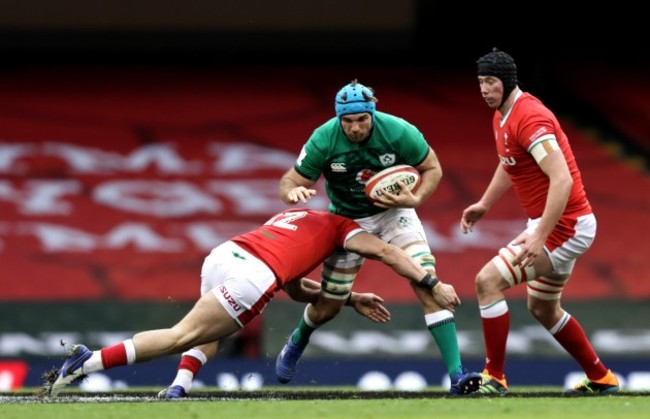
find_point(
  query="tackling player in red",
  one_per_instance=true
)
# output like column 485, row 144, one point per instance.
column 238, row 279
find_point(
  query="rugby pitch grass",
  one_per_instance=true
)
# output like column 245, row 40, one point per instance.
column 329, row 403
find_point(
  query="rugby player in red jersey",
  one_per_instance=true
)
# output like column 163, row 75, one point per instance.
column 536, row 160
column 238, row 279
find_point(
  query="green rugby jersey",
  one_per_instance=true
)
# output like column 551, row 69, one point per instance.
column 347, row 166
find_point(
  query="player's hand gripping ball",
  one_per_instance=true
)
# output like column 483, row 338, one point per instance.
column 386, row 181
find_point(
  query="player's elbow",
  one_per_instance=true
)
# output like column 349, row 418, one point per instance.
column 564, row 182
column 437, row 173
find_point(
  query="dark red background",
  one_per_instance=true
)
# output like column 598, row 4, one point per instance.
column 121, row 108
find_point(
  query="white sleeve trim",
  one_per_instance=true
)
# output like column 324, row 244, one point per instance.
column 544, row 145
column 352, row 234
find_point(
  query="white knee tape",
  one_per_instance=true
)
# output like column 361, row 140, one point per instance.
column 338, row 275
column 337, row 289
column 512, row 274
column 546, row 289
column 422, row 255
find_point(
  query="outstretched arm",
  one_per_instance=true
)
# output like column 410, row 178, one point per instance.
column 366, row 304
column 371, row 247
column 499, row 184
column 369, row 305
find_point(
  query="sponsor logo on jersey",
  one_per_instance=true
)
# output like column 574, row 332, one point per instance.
column 541, row 131
column 229, row 298
column 507, row 161
column 364, row 176
column 338, row 167
column 387, row 159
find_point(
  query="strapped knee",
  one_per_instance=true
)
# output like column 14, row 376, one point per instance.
column 512, row 274
column 336, row 282
column 546, row 288
column 421, row 253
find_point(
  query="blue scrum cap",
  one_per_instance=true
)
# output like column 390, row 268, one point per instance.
column 355, row 98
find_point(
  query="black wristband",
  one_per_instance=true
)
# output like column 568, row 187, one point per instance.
column 349, row 300
column 429, row 282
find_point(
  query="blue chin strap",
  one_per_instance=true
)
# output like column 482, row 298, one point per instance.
column 354, row 98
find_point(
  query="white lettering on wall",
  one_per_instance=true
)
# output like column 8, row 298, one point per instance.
column 242, row 158
column 41, row 197
column 164, row 158
column 10, row 153
column 145, row 237
column 157, row 198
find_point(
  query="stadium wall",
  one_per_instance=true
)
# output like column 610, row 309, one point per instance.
column 314, row 373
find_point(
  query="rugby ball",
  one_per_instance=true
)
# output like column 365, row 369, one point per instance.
column 386, row 181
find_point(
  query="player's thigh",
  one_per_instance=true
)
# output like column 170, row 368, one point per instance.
column 402, row 228
column 491, row 278
column 241, row 282
column 207, row 321
column 393, row 223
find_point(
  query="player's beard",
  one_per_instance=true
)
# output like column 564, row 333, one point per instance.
column 358, row 137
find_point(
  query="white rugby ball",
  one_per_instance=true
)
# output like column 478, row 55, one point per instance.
column 387, row 179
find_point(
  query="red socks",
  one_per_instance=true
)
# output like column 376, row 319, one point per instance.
column 114, row 356
column 573, row 338
column 495, row 335
column 190, row 363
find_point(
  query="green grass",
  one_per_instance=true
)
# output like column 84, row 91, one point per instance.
column 519, row 405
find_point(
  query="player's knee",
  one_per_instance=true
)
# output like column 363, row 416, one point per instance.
column 481, row 282
column 512, row 274
column 421, row 253
column 337, row 289
column 485, row 283
column 337, row 281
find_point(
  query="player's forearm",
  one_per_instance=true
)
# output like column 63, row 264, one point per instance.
column 430, row 181
column 499, row 184
column 431, row 174
column 402, row 263
column 285, row 186
column 556, row 201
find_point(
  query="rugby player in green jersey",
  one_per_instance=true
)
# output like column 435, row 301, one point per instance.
column 347, row 150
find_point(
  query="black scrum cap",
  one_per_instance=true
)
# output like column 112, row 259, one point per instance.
column 502, row 66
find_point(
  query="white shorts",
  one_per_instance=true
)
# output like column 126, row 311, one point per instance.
column 242, row 283
column 392, row 223
column 563, row 258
